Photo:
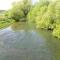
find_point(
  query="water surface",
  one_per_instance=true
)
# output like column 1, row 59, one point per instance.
column 19, row 42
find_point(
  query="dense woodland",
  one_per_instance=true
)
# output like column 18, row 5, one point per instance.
column 44, row 14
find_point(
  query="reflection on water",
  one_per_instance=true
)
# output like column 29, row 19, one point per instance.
column 19, row 42
column 52, row 42
column 19, row 26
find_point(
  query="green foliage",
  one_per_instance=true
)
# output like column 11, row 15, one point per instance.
column 43, row 23
column 37, row 14
column 36, row 11
column 56, row 31
column 5, row 22
column 46, row 15
column 19, row 10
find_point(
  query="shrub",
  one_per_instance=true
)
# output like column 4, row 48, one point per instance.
column 56, row 31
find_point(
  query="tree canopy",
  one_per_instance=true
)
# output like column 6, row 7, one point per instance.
column 20, row 10
column 46, row 15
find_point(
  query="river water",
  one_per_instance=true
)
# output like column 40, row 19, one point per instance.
column 19, row 42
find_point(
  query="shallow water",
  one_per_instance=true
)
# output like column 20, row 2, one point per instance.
column 18, row 42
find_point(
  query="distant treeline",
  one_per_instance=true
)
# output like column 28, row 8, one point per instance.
column 2, row 11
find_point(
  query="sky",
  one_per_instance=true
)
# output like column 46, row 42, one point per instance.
column 7, row 4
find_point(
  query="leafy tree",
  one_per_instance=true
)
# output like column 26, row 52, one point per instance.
column 46, row 15
column 37, row 10
column 56, row 31
column 35, row 15
column 19, row 10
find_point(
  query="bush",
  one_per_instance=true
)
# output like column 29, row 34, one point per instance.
column 37, row 11
column 56, row 31
column 19, row 10
column 46, row 15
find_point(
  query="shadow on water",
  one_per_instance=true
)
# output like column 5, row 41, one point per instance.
column 21, row 42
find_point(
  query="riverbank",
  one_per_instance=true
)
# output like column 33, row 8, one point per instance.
column 5, row 23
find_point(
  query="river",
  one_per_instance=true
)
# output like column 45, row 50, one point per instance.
column 19, row 42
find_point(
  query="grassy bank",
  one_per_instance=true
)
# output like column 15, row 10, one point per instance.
column 5, row 23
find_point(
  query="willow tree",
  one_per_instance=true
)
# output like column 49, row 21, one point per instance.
column 20, row 10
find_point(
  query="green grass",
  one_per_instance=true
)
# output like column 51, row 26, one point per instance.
column 5, row 23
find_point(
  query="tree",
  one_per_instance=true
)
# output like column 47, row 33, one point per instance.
column 26, row 7
column 19, row 10
column 37, row 12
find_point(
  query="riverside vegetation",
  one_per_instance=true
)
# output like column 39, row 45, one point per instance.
column 44, row 14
